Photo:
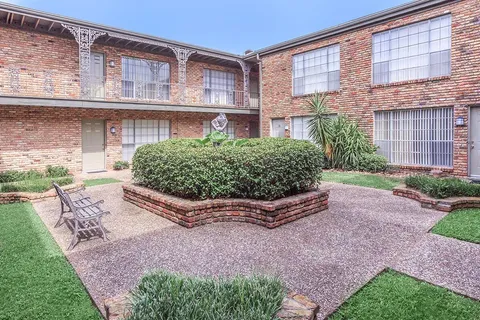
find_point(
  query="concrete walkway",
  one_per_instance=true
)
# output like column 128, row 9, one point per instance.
column 327, row 256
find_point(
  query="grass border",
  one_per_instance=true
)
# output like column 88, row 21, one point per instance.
column 41, row 230
column 450, row 237
column 386, row 269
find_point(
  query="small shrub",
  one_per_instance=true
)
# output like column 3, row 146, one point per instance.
column 120, row 165
column 163, row 295
column 372, row 162
column 11, row 176
column 265, row 168
column 56, row 171
column 441, row 188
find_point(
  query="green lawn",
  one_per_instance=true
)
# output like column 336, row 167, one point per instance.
column 36, row 281
column 392, row 295
column 377, row 181
column 460, row 224
column 97, row 182
column 34, row 185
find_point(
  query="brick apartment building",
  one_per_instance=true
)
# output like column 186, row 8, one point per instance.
column 85, row 95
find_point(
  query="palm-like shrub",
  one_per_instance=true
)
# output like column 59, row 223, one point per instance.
column 345, row 145
column 320, row 126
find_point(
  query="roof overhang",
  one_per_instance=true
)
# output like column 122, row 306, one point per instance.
column 366, row 21
column 39, row 21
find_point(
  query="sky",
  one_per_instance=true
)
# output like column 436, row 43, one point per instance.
column 232, row 26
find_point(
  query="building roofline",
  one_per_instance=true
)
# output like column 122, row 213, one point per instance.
column 368, row 20
column 62, row 19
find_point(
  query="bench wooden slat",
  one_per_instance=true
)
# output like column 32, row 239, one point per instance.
column 86, row 213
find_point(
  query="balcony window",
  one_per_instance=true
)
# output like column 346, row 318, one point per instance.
column 416, row 51
column 219, row 87
column 230, row 130
column 416, row 137
column 145, row 79
column 136, row 133
column 317, row 70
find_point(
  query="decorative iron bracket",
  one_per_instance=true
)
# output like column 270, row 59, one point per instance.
column 182, row 55
column 246, row 67
column 85, row 38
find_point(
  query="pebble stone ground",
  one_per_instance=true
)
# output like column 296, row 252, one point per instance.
column 327, row 256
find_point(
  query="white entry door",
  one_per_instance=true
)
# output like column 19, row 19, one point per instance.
column 93, row 145
column 278, row 128
column 474, row 125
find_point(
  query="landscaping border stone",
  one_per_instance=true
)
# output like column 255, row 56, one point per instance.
column 294, row 307
column 445, row 205
column 12, row 197
column 188, row 213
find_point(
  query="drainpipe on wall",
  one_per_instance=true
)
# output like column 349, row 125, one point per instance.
column 260, row 85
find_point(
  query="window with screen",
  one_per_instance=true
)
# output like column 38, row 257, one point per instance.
column 418, row 136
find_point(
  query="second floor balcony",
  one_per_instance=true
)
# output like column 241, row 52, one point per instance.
column 24, row 82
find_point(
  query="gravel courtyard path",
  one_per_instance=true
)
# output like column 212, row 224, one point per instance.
column 327, row 256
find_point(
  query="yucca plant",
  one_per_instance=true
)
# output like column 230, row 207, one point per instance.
column 342, row 141
column 320, row 126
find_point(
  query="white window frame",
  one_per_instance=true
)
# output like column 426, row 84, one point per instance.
column 330, row 60
column 303, row 135
column 151, row 88
column 230, row 129
column 221, row 91
column 415, row 46
column 420, row 137
column 138, row 132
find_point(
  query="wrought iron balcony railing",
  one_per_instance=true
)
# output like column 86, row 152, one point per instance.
column 24, row 82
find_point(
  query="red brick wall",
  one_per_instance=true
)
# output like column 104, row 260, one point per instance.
column 358, row 98
column 36, row 52
column 34, row 137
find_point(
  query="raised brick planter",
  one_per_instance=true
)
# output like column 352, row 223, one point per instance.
column 187, row 213
column 446, row 205
column 12, row 197
column 294, row 307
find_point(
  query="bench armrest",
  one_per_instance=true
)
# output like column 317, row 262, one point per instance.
column 89, row 205
column 82, row 188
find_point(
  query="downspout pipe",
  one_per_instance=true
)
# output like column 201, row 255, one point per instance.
column 260, row 84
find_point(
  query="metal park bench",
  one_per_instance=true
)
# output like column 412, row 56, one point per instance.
column 87, row 215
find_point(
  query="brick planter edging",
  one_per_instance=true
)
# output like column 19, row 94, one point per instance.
column 12, row 197
column 294, row 307
column 187, row 213
column 445, row 205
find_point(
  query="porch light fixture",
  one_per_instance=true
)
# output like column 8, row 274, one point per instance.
column 111, row 63
column 459, row 121
column 113, row 130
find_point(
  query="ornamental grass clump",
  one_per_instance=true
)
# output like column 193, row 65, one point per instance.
column 264, row 168
column 164, row 295
column 441, row 188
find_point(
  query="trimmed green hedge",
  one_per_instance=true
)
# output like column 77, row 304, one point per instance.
column 371, row 162
column 265, row 168
column 443, row 187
